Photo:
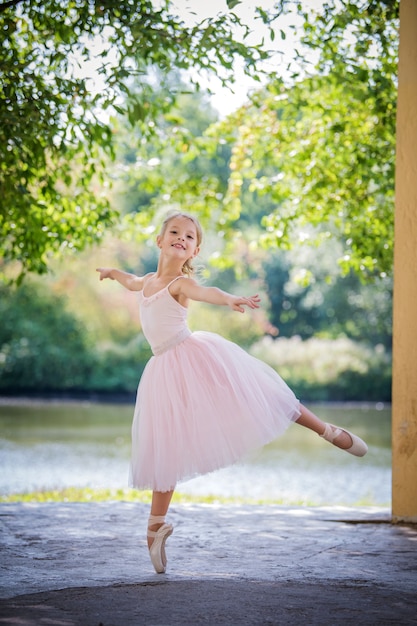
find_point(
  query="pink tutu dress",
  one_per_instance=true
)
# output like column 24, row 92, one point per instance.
column 203, row 402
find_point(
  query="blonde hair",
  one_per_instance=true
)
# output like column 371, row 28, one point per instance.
column 188, row 267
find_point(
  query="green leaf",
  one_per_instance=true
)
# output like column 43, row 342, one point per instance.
column 231, row 4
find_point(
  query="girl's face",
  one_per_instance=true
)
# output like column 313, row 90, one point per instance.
column 180, row 237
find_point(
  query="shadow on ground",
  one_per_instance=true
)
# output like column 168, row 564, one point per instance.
column 212, row 602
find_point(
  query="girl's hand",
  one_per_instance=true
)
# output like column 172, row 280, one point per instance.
column 104, row 272
column 237, row 303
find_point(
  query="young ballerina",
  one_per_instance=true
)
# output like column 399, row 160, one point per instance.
column 202, row 402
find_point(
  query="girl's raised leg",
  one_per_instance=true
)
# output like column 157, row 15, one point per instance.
column 337, row 436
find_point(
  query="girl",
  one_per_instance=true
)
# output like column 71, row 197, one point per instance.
column 203, row 402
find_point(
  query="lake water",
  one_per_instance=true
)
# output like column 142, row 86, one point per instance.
column 46, row 446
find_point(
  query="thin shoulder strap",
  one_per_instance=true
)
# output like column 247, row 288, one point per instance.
column 173, row 281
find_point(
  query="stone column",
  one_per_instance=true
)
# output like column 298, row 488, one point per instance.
column 404, row 405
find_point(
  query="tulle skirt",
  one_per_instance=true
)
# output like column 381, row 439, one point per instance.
column 202, row 405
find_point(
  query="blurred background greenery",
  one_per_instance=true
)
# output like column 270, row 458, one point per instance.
column 294, row 189
column 68, row 333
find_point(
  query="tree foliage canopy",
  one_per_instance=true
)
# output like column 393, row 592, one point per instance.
column 322, row 148
column 310, row 157
column 316, row 150
column 53, row 135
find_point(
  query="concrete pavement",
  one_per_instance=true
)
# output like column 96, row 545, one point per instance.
column 88, row 565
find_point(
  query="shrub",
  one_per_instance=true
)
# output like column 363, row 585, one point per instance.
column 329, row 369
column 42, row 346
column 119, row 367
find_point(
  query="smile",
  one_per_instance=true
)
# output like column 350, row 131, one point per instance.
column 178, row 245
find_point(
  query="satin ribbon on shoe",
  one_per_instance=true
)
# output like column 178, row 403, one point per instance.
column 358, row 447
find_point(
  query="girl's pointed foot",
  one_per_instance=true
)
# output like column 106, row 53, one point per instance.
column 157, row 547
column 355, row 446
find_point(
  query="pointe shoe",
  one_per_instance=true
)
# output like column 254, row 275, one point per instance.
column 358, row 447
column 157, row 549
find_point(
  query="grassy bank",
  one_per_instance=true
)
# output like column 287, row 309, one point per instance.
column 74, row 494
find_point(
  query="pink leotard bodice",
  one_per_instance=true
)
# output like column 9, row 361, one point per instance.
column 163, row 320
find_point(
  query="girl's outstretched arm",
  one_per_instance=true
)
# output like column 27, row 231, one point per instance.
column 130, row 281
column 212, row 295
